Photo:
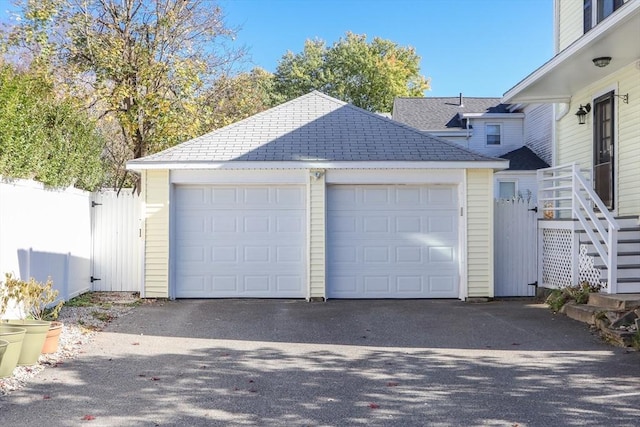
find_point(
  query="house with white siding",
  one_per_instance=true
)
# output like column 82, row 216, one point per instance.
column 490, row 127
column 590, row 198
column 317, row 199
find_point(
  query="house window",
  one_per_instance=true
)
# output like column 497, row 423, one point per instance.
column 493, row 134
column 595, row 11
column 507, row 189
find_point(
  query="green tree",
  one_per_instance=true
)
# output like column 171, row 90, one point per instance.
column 44, row 137
column 368, row 75
column 238, row 97
column 142, row 66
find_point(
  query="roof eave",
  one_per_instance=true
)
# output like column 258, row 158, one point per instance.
column 495, row 164
column 572, row 69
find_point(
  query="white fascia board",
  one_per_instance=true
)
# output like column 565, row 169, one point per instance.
column 492, row 115
column 607, row 25
column 478, row 164
column 451, row 133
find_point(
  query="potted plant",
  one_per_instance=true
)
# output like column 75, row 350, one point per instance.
column 13, row 336
column 32, row 300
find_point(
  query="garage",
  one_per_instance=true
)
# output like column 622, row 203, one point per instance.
column 317, row 199
column 392, row 241
column 240, row 241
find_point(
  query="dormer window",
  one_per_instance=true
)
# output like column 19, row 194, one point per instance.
column 595, row 11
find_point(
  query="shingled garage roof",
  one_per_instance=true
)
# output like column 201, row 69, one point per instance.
column 441, row 113
column 312, row 128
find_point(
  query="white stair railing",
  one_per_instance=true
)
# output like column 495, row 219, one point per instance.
column 563, row 193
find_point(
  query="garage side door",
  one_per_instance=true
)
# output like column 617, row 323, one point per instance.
column 240, row 242
column 392, row 241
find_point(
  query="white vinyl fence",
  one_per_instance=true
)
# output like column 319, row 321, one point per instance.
column 116, row 247
column 46, row 233
column 515, row 244
column 82, row 241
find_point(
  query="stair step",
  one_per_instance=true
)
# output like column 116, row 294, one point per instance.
column 582, row 312
column 600, row 301
column 623, row 246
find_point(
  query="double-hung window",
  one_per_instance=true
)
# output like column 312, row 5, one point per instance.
column 493, row 132
column 594, row 11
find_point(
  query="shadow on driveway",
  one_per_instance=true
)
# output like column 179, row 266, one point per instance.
column 261, row 362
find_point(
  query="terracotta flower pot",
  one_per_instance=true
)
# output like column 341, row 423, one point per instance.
column 53, row 338
column 14, row 337
column 33, row 339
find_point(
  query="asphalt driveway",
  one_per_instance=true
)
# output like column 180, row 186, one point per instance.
column 276, row 362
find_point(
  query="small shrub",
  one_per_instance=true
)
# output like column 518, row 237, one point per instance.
column 34, row 299
column 557, row 299
column 578, row 293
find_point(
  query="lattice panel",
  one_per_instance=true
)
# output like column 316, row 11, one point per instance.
column 556, row 257
column 588, row 273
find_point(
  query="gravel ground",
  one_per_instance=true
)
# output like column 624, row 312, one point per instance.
column 80, row 326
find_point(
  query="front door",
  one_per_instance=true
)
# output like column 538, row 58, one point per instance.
column 603, row 144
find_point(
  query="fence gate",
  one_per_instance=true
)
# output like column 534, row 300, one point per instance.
column 515, row 248
column 116, row 243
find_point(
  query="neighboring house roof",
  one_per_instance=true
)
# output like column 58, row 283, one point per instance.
column 442, row 113
column 523, row 159
column 314, row 127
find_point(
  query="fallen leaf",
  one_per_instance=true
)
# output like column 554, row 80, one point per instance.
column 46, row 397
column 392, row 384
column 88, row 418
column 374, row 406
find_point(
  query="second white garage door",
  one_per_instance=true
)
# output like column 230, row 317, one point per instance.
column 240, row 241
column 392, row 241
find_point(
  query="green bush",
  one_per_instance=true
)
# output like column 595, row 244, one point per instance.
column 578, row 293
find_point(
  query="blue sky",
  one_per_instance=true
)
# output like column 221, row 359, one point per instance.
column 478, row 47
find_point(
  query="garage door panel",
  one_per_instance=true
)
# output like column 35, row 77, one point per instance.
column 246, row 241
column 289, row 254
column 392, row 242
column 442, row 196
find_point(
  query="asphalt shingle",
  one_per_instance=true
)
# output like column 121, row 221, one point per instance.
column 315, row 127
column 523, row 159
column 441, row 113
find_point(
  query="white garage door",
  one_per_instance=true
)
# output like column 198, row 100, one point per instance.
column 240, row 242
column 387, row 241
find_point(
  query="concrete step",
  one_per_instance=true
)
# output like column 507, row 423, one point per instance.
column 582, row 312
column 617, row 302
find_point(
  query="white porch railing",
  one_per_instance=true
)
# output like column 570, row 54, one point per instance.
column 563, row 193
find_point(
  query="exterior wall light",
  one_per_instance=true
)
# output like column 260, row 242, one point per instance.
column 582, row 113
column 602, row 61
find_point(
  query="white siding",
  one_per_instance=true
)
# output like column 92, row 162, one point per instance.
column 538, row 130
column 512, row 137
